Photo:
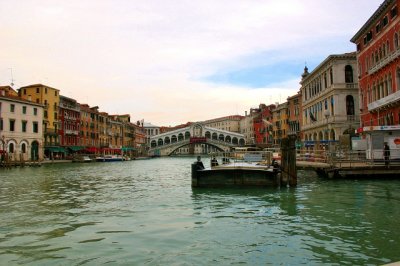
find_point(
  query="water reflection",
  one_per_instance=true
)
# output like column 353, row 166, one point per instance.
column 145, row 212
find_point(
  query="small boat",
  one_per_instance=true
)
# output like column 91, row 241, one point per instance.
column 81, row 159
column 110, row 158
column 233, row 172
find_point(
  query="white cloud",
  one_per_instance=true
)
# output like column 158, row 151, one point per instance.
column 147, row 58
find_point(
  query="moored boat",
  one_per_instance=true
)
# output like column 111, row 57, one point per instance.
column 232, row 172
column 110, row 158
column 81, row 159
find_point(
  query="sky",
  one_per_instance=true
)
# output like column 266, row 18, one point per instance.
column 173, row 61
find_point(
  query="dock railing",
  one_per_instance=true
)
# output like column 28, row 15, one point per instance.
column 240, row 157
column 339, row 158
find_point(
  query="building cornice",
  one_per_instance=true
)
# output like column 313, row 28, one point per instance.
column 371, row 21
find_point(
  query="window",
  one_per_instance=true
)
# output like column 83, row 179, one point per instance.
column 24, row 123
column 1, row 123
column 35, row 127
column 37, row 90
column 348, row 74
column 11, row 147
column 24, row 109
column 45, row 114
column 55, row 93
column 24, row 91
column 12, row 125
column 23, row 148
column 37, row 100
column 393, row 12
column 12, row 108
column 34, row 111
column 385, row 21
column 55, row 115
column 45, row 90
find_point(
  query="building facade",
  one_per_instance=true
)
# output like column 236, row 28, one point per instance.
column 378, row 55
column 48, row 97
column 228, row 123
column 295, row 117
column 21, row 129
column 330, row 100
column 280, row 123
column 70, row 122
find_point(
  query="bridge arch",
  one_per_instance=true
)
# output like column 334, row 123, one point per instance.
column 180, row 137
column 242, row 142
column 153, row 144
column 174, row 139
column 235, row 140
column 228, row 139
column 208, row 135
column 160, row 142
column 187, row 135
column 221, row 137
column 187, row 144
column 167, row 140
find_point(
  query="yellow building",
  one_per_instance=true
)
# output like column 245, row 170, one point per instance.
column 50, row 98
column 280, row 120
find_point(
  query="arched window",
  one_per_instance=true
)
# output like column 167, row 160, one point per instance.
column 348, row 70
column 11, row 147
column 331, row 75
column 396, row 41
column 349, row 105
column 23, row 148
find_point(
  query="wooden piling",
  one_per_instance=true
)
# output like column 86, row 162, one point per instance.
column 288, row 162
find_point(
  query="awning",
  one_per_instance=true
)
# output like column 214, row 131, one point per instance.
column 55, row 149
column 91, row 149
column 128, row 149
column 76, row 148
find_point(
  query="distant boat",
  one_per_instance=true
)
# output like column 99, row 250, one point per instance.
column 110, row 158
column 81, row 159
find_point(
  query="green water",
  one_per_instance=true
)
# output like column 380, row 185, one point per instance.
column 146, row 213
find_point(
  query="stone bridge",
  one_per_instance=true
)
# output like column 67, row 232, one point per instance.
column 197, row 138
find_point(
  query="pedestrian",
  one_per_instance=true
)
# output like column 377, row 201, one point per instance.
column 199, row 163
column 386, row 154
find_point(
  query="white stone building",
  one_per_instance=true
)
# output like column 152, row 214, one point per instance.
column 21, row 129
column 330, row 100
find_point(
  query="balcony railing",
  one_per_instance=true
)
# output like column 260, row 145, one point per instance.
column 385, row 101
column 336, row 119
column 71, row 132
column 70, row 107
column 384, row 62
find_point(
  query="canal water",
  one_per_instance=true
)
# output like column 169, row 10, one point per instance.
column 145, row 212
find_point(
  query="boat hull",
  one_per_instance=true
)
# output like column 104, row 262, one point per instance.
column 226, row 177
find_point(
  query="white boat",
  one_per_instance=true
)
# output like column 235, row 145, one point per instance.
column 81, row 159
column 110, row 158
column 233, row 172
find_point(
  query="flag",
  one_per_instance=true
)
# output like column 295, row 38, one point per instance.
column 312, row 117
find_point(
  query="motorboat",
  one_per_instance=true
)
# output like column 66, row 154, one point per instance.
column 257, row 170
column 110, row 158
column 81, row 159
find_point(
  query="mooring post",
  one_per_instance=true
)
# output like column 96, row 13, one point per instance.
column 288, row 162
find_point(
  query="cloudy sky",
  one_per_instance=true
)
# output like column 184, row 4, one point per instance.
column 173, row 61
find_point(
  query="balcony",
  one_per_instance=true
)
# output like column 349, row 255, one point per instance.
column 336, row 119
column 71, row 132
column 69, row 107
column 384, row 62
column 387, row 101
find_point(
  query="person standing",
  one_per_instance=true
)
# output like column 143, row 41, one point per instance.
column 386, row 154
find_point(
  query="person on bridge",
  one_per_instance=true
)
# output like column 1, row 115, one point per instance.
column 386, row 154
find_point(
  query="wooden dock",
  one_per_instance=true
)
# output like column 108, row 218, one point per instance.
column 351, row 169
